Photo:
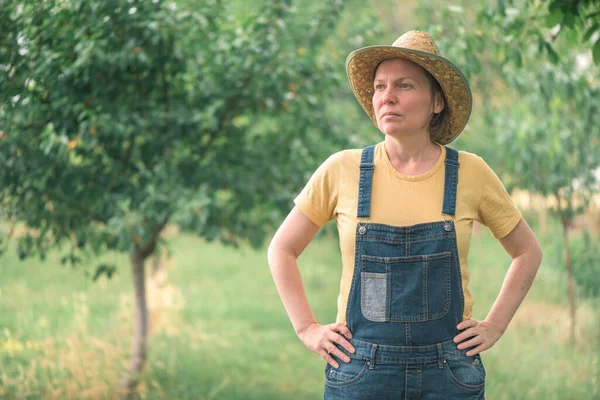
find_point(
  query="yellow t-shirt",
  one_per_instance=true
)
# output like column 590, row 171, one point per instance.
column 401, row 200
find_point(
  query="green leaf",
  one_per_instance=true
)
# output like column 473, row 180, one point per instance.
column 596, row 52
column 590, row 31
column 552, row 54
column 501, row 7
column 555, row 5
column 554, row 18
column 517, row 57
column 569, row 19
column 104, row 269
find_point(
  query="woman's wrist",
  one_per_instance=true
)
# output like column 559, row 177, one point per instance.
column 301, row 328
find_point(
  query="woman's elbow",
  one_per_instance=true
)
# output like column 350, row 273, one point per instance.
column 538, row 254
column 534, row 256
column 272, row 252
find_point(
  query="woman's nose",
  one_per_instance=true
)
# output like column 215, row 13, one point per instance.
column 388, row 96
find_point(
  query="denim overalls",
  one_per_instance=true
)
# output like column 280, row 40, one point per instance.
column 404, row 304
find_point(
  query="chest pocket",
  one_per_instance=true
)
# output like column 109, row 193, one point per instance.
column 405, row 289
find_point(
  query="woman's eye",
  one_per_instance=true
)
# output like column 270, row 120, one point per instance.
column 378, row 87
column 404, row 86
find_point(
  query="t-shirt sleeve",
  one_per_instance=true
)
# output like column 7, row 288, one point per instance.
column 496, row 209
column 318, row 199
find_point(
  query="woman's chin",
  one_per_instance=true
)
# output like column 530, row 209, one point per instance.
column 398, row 132
column 389, row 131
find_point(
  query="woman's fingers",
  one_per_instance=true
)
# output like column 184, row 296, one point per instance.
column 342, row 342
column 322, row 340
column 467, row 323
column 477, row 350
column 465, row 335
column 345, row 344
column 341, row 328
column 329, row 350
column 327, row 357
column 470, row 343
column 332, row 349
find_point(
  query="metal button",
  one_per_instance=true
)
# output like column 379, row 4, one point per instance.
column 362, row 230
column 476, row 361
column 447, row 227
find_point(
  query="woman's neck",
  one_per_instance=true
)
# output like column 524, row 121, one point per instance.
column 412, row 155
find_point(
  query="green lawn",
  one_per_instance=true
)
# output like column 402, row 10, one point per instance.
column 219, row 330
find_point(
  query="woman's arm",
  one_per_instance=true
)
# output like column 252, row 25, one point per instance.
column 292, row 237
column 522, row 246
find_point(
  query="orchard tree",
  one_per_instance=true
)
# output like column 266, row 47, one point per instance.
column 550, row 140
column 539, row 108
column 514, row 29
column 120, row 117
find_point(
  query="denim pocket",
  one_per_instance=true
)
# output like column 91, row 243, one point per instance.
column 374, row 293
column 466, row 372
column 346, row 374
column 405, row 289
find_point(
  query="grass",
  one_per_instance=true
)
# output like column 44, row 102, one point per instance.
column 219, row 330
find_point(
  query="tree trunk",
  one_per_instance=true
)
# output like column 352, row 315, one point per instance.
column 11, row 230
column 571, row 284
column 130, row 379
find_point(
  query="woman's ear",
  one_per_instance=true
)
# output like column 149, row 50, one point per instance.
column 439, row 103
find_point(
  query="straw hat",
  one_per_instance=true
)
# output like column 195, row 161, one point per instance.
column 419, row 48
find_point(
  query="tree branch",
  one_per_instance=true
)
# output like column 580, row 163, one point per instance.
column 71, row 205
column 227, row 111
column 127, row 155
column 591, row 15
column 148, row 248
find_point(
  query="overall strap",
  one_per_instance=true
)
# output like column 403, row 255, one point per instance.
column 365, row 183
column 450, row 182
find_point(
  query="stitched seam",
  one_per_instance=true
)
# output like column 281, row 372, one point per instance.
column 349, row 382
column 388, row 292
column 463, row 385
column 406, row 385
column 354, row 278
column 425, row 302
column 407, row 259
column 448, row 291
column 370, row 238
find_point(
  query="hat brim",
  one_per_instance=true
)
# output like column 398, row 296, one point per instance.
column 361, row 64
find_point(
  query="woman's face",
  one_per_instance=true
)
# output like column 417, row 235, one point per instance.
column 402, row 99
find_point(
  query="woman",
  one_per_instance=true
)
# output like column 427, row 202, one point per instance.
column 404, row 210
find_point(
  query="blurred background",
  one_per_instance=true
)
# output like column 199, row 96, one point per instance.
column 149, row 150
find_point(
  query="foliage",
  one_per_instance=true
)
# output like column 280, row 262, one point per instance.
column 537, row 107
column 586, row 262
column 518, row 29
column 549, row 135
column 118, row 116
column 523, row 92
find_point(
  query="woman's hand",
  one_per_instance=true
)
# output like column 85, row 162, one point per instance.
column 483, row 334
column 320, row 339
